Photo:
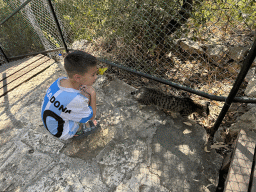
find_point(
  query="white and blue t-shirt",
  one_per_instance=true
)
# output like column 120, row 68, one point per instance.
column 63, row 109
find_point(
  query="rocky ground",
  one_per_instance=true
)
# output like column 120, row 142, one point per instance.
column 137, row 149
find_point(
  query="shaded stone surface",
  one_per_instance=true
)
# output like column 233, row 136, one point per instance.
column 138, row 148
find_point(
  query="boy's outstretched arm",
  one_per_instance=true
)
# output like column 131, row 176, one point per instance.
column 90, row 93
column 93, row 102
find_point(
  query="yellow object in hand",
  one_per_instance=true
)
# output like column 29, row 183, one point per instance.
column 101, row 71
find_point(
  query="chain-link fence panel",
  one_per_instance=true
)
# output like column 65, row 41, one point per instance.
column 197, row 44
column 241, row 174
column 30, row 30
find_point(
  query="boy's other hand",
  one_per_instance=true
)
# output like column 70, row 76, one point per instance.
column 87, row 91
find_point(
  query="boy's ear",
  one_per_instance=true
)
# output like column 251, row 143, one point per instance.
column 77, row 77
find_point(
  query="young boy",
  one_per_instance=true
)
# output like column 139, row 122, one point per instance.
column 69, row 106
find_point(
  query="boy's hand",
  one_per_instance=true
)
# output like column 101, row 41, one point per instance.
column 87, row 91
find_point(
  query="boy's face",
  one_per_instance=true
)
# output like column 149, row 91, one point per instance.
column 89, row 77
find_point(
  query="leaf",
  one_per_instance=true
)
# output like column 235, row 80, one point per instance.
column 188, row 123
column 218, row 145
column 206, row 150
column 186, row 131
column 101, row 71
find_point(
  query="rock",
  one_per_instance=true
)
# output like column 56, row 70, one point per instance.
column 121, row 160
column 238, row 53
column 21, row 165
column 220, row 135
column 190, row 46
column 80, row 45
column 43, row 143
column 185, row 166
column 215, row 51
column 142, row 180
column 58, row 178
column 247, row 122
column 2, row 61
column 250, row 90
column 250, row 75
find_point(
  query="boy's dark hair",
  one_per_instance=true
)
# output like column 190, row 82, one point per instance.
column 78, row 62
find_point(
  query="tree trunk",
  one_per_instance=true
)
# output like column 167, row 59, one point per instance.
column 180, row 18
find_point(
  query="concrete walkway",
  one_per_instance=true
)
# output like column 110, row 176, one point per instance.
column 139, row 149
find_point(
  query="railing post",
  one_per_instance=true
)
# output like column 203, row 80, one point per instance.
column 5, row 57
column 57, row 24
column 15, row 11
column 239, row 80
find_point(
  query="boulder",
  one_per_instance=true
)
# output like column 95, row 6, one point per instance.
column 215, row 51
column 250, row 75
column 80, row 45
column 190, row 46
column 250, row 90
column 247, row 122
column 238, row 53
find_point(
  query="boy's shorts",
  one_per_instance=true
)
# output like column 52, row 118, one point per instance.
column 86, row 130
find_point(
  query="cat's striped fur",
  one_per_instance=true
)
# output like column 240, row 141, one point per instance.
column 185, row 106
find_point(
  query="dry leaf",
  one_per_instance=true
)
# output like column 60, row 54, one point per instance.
column 174, row 115
column 218, row 145
column 186, row 131
column 206, row 150
column 188, row 123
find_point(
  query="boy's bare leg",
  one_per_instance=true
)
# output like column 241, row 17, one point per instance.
column 93, row 103
column 81, row 125
column 94, row 122
column 87, row 124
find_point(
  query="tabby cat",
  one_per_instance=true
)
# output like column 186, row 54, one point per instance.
column 185, row 106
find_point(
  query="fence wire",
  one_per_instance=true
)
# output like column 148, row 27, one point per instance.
column 31, row 30
column 241, row 175
column 198, row 44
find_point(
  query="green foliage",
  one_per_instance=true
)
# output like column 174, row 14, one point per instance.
column 141, row 21
column 229, row 12
column 17, row 35
column 139, row 25
column 134, row 23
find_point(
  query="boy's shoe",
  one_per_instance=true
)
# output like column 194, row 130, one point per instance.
column 85, row 131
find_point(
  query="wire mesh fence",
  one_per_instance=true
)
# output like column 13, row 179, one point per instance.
column 198, row 44
column 193, row 43
column 241, row 175
column 30, row 30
